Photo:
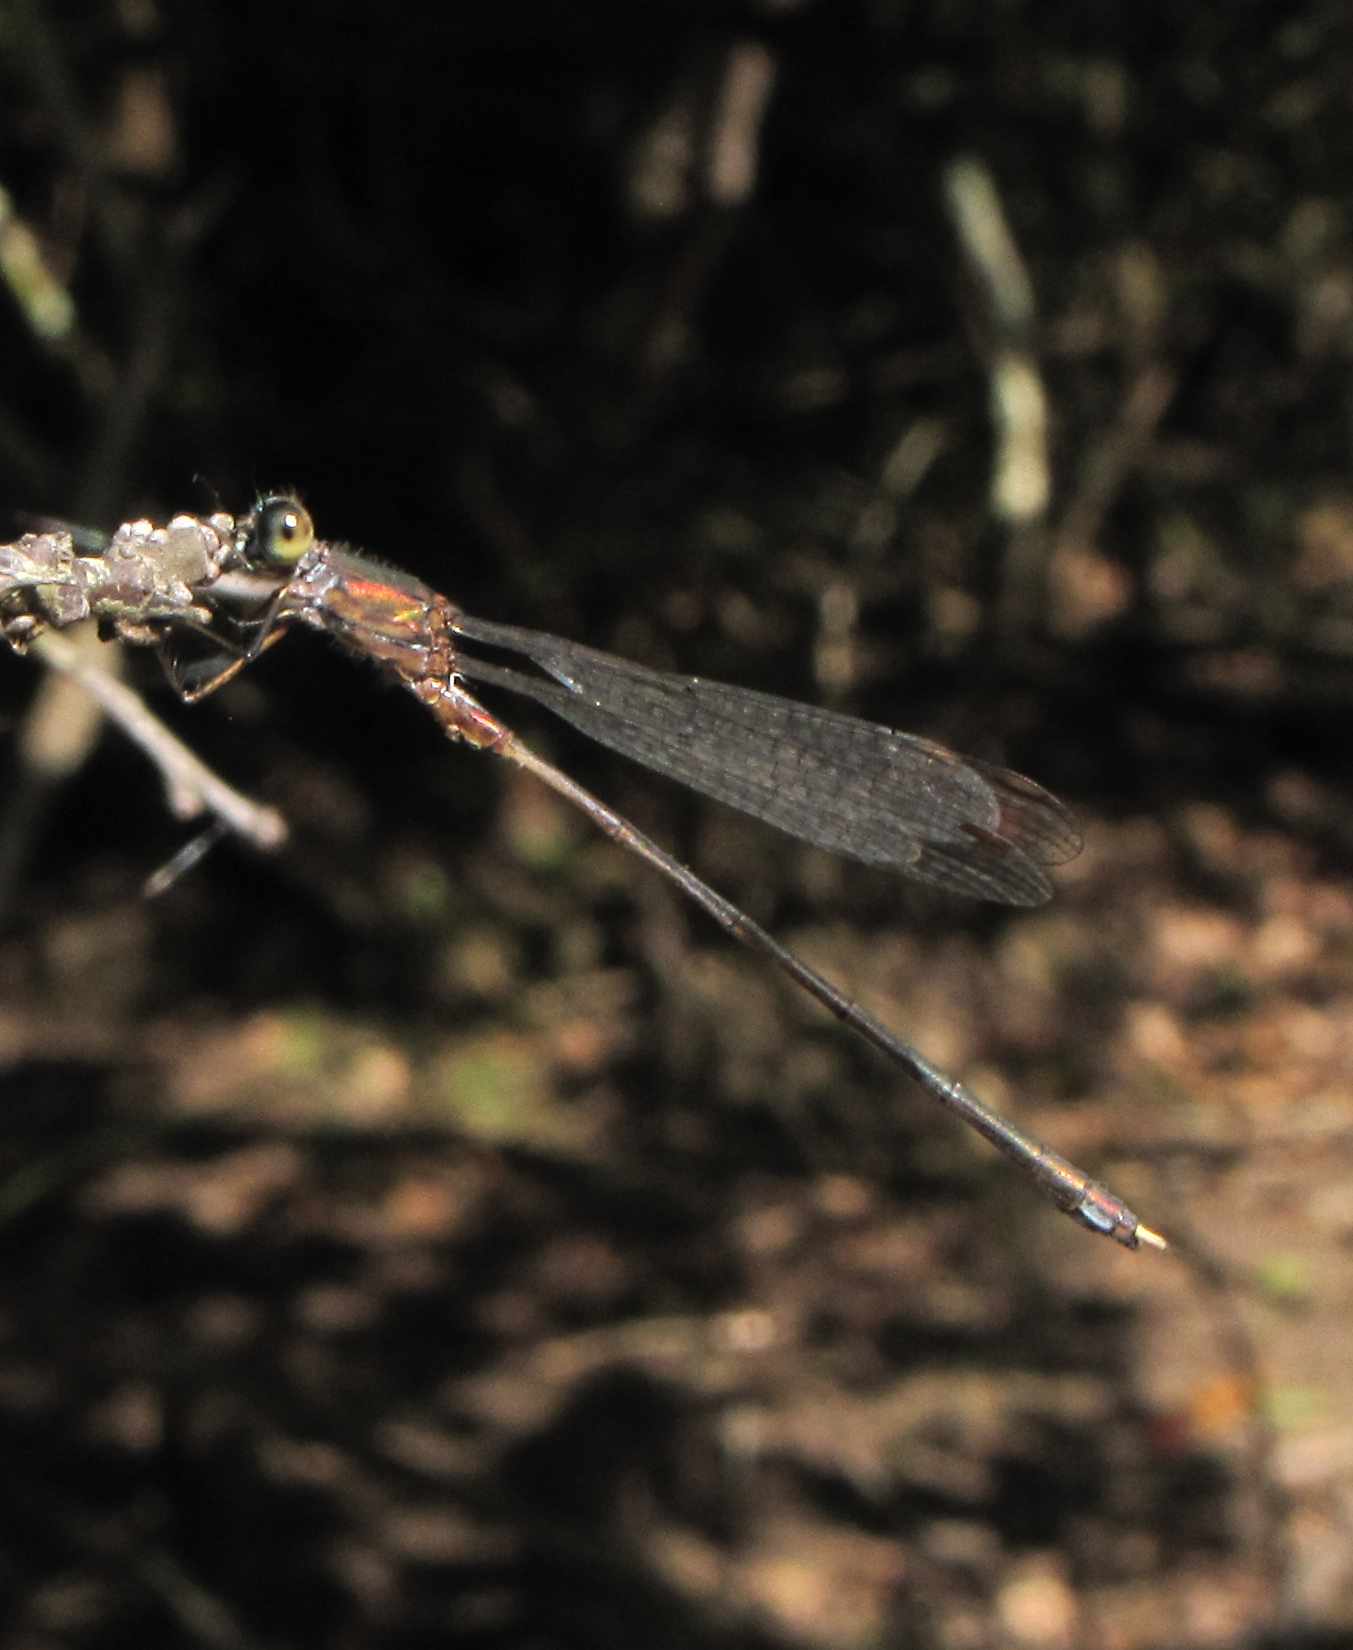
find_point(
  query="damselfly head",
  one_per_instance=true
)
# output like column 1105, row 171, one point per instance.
column 276, row 533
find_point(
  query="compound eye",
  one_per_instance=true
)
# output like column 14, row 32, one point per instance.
column 283, row 532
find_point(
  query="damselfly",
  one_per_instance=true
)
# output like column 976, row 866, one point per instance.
column 856, row 788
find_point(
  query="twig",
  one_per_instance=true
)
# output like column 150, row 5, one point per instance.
column 191, row 786
column 1021, row 479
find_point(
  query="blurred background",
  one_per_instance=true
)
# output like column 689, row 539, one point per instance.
column 436, row 1232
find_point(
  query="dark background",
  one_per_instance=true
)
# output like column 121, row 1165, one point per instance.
column 437, row 1233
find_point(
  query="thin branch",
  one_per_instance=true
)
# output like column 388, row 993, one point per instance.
column 191, row 786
